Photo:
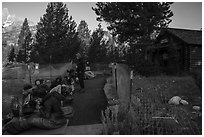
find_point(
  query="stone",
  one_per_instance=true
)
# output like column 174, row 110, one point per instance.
column 175, row 100
column 184, row 102
column 196, row 108
column 110, row 91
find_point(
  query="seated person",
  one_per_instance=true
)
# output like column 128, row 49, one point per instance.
column 40, row 90
column 52, row 101
column 29, row 102
column 88, row 73
column 56, row 82
column 70, row 77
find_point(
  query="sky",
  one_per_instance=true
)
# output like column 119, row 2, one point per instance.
column 187, row 15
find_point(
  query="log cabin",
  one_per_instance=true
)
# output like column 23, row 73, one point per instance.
column 176, row 50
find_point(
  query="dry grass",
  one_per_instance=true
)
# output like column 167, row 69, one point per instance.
column 152, row 115
column 10, row 87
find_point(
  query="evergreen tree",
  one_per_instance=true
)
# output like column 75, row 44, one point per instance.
column 24, row 42
column 34, row 55
column 21, row 56
column 56, row 37
column 12, row 55
column 84, row 36
column 97, row 50
column 134, row 21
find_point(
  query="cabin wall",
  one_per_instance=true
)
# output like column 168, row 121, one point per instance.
column 182, row 57
column 195, row 57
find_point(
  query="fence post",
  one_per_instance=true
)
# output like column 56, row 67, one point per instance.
column 116, row 85
column 29, row 73
column 50, row 68
column 131, row 78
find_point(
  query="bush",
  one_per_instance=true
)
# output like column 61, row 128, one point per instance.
column 146, row 68
column 197, row 75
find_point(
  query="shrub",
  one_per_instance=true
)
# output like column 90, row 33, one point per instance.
column 146, row 68
column 197, row 75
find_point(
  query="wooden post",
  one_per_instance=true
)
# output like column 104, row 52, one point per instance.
column 131, row 78
column 29, row 73
column 116, row 85
column 50, row 68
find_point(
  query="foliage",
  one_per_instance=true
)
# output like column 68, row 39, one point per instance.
column 113, row 46
column 24, row 42
column 197, row 75
column 134, row 21
column 84, row 36
column 136, row 60
column 21, row 56
column 12, row 55
column 97, row 49
column 56, row 37
column 34, row 55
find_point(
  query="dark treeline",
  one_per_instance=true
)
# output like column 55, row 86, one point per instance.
column 131, row 27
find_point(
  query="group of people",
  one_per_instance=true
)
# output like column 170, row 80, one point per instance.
column 51, row 97
column 48, row 100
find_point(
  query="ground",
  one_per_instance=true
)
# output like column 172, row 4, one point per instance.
column 154, row 115
column 151, row 95
column 87, row 106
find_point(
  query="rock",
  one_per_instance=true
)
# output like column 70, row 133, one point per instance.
column 110, row 91
column 184, row 102
column 175, row 100
column 196, row 108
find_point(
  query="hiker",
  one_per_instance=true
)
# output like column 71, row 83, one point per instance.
column 56, row 82
column 29, row 102
column 88, row 73
column 52, row 101
column 32, row 96
column 80, row 70
column 88, row 68
column 40, row 90
column 50, row 116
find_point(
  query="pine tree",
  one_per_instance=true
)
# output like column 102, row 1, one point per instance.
column 34, row 55
column 84, row 36
column 21, row 56
column 134, row 21
column 56, row 34
column 24, row 42
column 97, row 50
column 11, row 57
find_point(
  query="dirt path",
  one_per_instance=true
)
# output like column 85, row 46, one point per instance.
column 88, row 105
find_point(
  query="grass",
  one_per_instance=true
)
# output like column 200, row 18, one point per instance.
column 10, row 87
column 150, row 112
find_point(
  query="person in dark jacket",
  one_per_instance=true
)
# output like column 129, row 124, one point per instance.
column 80, row 70
column 52, row 101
